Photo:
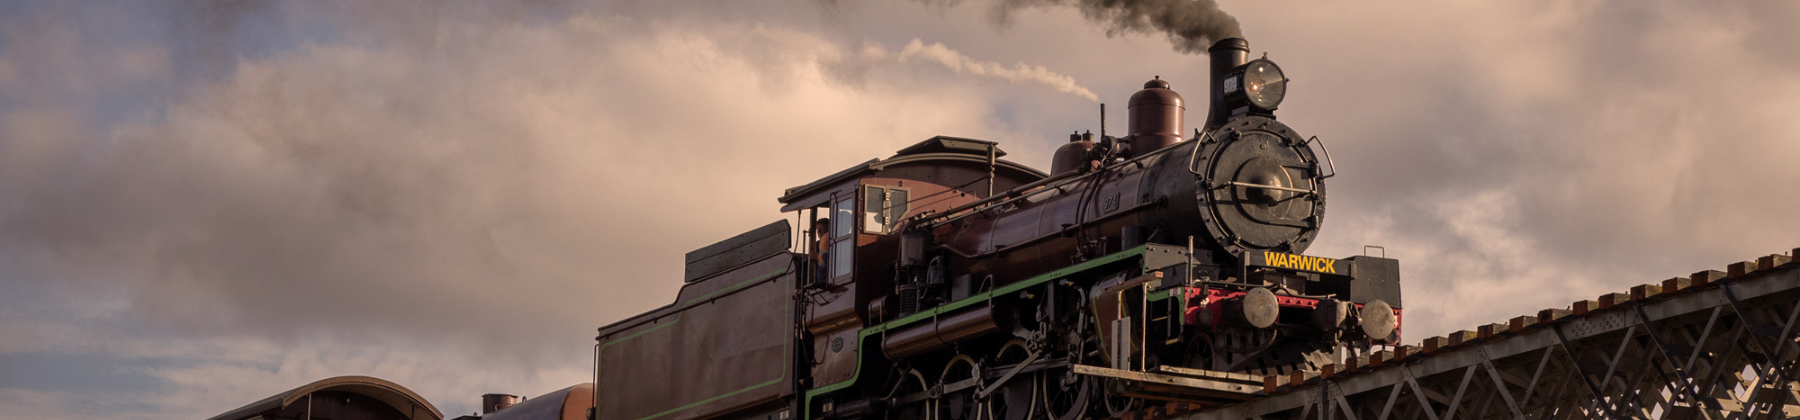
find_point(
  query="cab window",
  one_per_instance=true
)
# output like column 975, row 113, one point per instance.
column 843, row 220
column 883, row 208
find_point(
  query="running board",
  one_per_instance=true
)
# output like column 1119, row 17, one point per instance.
column 1180, row 385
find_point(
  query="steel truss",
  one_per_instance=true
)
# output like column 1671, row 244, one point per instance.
column 1712, row 346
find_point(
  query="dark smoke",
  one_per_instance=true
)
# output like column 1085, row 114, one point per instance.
column 1191, row 25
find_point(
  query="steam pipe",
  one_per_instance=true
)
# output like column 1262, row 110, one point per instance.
column 1015, row 192
column 1227, row 54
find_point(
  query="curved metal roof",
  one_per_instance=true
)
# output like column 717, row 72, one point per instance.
column 935, row 149
column 401, row 399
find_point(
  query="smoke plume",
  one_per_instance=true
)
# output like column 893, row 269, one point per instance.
column 1191, row 25
column 936, row 52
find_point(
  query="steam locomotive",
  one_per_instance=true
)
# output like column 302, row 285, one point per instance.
column 946, row 283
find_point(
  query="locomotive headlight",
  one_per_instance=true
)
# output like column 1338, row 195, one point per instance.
column 1264, row 84
column 1259, row 84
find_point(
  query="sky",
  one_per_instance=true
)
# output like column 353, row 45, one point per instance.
column 206, row 203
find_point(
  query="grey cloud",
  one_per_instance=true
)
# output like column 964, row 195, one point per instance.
column 471, row 182
column 500, row 192
column 1598, row 152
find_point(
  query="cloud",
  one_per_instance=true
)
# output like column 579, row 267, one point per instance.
column 452, row 196
column 365, row 179
column 1544, row 154
column 459, row 215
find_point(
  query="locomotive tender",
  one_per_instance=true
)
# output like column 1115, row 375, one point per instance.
column 946, row 283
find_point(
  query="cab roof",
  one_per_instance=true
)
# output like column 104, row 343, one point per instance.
column 939, row 148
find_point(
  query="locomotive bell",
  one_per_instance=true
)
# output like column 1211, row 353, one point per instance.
column 1156, row 114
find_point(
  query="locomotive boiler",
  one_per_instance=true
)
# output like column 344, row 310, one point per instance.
column 947, row 283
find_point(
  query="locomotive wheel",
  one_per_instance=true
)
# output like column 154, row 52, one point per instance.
column 1199, row 352
column 1117, row 406
column 1013, row 351
column 1066, row 395
column 910, row 383
column 1063, row 394
column 960, row 368
column 960, row 404
column 1017, row 399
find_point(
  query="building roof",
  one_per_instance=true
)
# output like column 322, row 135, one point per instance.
column 392, row 394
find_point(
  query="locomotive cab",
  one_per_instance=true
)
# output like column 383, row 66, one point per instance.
column 864, row 208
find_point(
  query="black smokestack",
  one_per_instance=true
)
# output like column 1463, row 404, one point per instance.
column 1191, row 25
column 1228, row 54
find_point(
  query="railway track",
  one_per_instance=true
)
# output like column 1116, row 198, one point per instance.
column 1712, row 345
